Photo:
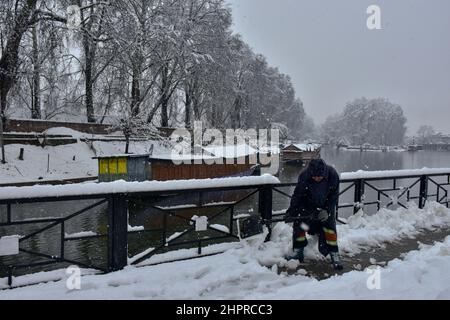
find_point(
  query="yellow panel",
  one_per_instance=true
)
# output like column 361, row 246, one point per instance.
column 103, row 166
column 122, row 164
column 113, row 166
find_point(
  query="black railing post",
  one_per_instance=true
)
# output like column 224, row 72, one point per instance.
column 10, row 277
column 62, row 240
column 423, row 191
column 265, row 208
column 117, row 233
column 8, row 213
column 359, row 194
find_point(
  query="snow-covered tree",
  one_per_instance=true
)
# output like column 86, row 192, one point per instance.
column 373, row 121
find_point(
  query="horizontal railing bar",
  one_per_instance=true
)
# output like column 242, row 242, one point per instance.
column 211, row 189
column 397, row 189
column 352, row 180
column 39, row 254
column 197, row 241
column 53, row 199
column 145, row 230
column 32, row 221
column 105, row 235
column 203, row 206
column 30, row 265
column 97, row 236
column 370, row 203
column 346, row 206
column 134, row 194
column 396, row 177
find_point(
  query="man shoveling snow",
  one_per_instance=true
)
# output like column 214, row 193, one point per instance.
column 313, row 209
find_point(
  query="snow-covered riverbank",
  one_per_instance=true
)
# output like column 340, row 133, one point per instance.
column 239, row 272
column 66, row 161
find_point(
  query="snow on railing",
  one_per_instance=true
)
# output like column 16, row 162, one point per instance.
column 121, row 187
column 79, row 235
column 393, row 173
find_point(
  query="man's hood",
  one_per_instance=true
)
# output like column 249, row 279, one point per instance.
column 318, row 168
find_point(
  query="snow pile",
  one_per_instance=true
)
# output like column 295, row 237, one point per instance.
column 387, row 225
column 361, row 232
column 64, row 162
column 422, row 274
column 67, row 132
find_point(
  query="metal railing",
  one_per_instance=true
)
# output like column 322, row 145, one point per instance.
column 117, row 232
column 406, row 187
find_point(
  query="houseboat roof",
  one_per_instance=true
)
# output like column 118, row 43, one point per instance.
column 124, row 155
column 304, row 146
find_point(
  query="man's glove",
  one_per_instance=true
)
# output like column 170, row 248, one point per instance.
column 323, row 215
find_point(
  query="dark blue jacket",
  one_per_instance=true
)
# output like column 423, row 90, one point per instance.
column 310, row 195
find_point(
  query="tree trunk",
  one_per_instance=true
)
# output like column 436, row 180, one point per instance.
column 9, row 61
column 164, row 97
column 196, row 108
column 88, row 84
column 89, row 50
column 127, row 143
column 135, row 93
column 2, row 144
column 164, row 113
column 188, row 106
column 236, row 116
column 36, row 103
column 10, row 54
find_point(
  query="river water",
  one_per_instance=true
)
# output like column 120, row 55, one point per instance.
column 94, row 251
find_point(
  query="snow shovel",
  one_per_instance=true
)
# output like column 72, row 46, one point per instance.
column 253, row 225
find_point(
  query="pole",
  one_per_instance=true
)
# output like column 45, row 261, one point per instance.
column 2, row 144
column 117, row 233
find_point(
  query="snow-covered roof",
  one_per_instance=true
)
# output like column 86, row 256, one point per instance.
column 123, row 155
column 305, row 146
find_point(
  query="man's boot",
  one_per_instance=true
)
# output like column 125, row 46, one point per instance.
column 336, row 261
column 297, row 255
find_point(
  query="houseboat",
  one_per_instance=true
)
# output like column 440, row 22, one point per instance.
column 300, row 153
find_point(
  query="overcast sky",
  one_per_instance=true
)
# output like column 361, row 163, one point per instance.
column 332, row 57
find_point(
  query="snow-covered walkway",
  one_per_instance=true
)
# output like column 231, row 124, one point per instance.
column 249, row 270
